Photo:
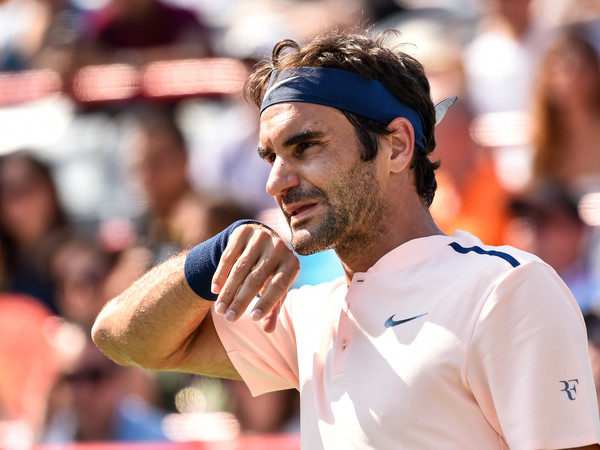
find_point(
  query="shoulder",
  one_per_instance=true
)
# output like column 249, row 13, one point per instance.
column 466, row 252
column 466, row 244
column 506, row 272
column 514, row 283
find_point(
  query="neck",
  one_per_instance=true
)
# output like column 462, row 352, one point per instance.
column 359, row 255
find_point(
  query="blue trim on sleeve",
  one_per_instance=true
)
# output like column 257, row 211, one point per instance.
column 505, row 256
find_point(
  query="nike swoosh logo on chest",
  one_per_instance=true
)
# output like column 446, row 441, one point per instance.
column 392, row 323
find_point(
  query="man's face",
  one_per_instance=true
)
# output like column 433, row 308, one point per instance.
column 330, row 198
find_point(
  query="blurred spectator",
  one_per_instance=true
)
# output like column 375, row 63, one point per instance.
column 38, row 34
column 567, row 110
column 224, row 163
column 177, row 216
column 79, row 271
column 20, row 33
column 500, row 65
column 566, row 133
column 501, row 58
column 98, row 400
column 62, row 27
column 547, row 223
column 160, row 164
column 32, row 221
column 141, row 31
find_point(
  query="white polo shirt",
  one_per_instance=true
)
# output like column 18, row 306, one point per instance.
column 443, row 343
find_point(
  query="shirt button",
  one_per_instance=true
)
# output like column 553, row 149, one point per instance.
column 345, row 342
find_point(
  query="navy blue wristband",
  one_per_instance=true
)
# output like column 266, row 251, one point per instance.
column 202, row 261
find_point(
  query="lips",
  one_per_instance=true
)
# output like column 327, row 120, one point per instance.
column 299, row 210
column 299, row 203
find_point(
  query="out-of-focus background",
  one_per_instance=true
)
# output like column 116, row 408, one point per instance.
column 124, row 139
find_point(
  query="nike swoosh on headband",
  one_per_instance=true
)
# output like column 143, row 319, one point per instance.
column 442, row 108
column 277, row 84
column 392, row 323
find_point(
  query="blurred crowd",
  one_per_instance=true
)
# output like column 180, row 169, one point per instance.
column 94, row 193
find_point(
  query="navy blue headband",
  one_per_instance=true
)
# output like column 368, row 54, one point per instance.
column 343, row 90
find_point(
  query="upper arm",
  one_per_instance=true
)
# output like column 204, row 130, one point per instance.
column 528, row 344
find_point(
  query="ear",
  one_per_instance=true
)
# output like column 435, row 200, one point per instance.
column 401, row 142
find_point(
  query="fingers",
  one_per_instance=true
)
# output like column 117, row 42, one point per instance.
column 256, row 261
column 270, row 320
column 235, row 247
column 276, row 290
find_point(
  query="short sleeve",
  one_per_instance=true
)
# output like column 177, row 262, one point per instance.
column 528, row 365
column 266, row 361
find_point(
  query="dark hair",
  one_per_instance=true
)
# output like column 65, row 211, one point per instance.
column 59, row 225
column 43, row 171
column 550, row 132
column 401, row 74
column 156, row 121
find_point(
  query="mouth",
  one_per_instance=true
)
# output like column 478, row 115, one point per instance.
column 299, row 211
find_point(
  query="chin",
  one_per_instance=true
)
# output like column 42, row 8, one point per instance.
column 304, row 243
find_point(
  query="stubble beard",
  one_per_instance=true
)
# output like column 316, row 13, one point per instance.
column 354, row 211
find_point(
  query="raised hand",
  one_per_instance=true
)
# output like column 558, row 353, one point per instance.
column 255, row 262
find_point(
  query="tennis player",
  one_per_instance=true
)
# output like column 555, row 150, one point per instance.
column 428, row 342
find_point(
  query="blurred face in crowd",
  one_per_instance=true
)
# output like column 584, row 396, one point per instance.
column 79, row 272
column 97, row 386
column 573, row 74
column 28, row 206
column 330, row 198
column 550, row 233
column 162, row 168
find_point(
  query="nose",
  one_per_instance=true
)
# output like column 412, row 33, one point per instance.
column 281, row 177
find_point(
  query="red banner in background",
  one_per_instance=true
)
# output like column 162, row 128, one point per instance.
column 262, row 442
column 121, row 82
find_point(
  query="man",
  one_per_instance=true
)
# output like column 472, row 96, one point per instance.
column 429, row 341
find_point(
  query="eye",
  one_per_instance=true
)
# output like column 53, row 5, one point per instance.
column 302, row 146
column 266, row 155
column 270, row 158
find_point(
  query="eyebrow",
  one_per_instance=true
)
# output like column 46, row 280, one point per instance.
column 302, row 136
column 263, row 152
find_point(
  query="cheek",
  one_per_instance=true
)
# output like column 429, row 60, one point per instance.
column 322, row 176
column 356, row 189
column 26, row 213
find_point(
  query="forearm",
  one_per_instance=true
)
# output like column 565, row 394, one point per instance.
column 152, row 323
column 162, row 323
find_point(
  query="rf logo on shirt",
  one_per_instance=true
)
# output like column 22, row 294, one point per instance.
column 570, row 388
